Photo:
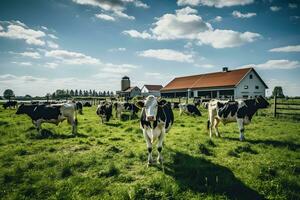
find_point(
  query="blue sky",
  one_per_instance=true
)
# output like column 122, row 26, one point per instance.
column 90, row 44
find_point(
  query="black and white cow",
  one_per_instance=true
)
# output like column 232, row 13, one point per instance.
column 189, row 109
column 10, row 104
column 87, row 104
column 79, row 107
column 156, row 120
column 125, row 106
column 54, row 113
column 104, row 110
column 175, row 105
column 240, row 111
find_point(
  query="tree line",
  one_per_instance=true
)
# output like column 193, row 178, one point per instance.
column 79, row 93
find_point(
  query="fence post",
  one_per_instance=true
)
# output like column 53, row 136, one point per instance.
column 275, row 102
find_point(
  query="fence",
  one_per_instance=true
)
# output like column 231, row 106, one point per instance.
column 287, row 107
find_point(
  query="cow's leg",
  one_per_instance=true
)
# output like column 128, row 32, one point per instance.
column 74, row 126
column 216, row 123
column 38, row 125
column 159, row 146
column 149, row 146
column 240, row 123
column 211, row 124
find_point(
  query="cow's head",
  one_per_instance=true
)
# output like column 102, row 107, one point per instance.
column 104, row 110
column 150, row 107
column 21, row 109
column 261, row 102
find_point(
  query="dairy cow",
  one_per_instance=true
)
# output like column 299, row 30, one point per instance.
column 54, row 113
column 10, row 104
column 125, row 106
column 79, row 107
column 189, row 109
column 240, row 111
column 156, row 120
column 104, row 110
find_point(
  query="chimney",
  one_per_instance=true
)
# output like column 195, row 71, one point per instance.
column 225, row 69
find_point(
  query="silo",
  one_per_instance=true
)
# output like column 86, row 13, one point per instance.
column 125, row 83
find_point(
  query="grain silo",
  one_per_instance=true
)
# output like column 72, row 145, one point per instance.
column 125, row 83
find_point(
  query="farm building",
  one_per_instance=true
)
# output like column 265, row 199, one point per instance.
column 239, row 83
column 151, row 90
column 128, row 91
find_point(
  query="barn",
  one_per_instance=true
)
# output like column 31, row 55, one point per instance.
column 228, row 84
column 128, row 91
column 151, row 90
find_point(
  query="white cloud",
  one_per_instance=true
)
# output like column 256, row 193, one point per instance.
column 275, row 64
column 72, row 58
column 167, row 54
column 51, row 65
column 136, row 34
column 35, row 55
column 205, row 65
column 18, row 30
column 295, row 48
column 238, row 14
column 44, row 27
column 185, row 24
column 116, row 7
column 118, row 69
column 1, row 28
column 227, row 38
column 275, row 8
column 279, row 64
column 52, row 36
column 217, row 19
column 105, row 17
column 215, row 3
column 23, row 63
column 293, row 5
column 152, row 74
column 117, row 49
column 52, row 45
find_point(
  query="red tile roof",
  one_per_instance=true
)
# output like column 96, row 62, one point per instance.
column 230, row 78
column 153, row 87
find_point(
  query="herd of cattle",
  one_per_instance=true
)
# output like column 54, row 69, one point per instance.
column 156, row 116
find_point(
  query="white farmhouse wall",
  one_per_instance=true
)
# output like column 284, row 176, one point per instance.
column 240, row 90
column 144, row 90
column 135, row 92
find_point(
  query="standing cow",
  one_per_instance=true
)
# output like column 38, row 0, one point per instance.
column 156, row 120
column 10, row 104
column 104, row 110
column 79, row 107
column 54, row 113
column 240, row 111
column 189, row 109
column 125, row 106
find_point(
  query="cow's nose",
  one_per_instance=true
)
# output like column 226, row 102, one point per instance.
column 150, row 118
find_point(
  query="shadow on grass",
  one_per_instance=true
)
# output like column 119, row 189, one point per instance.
column 275, row 143
column 200, row 175
column 3, row 123
column 46, row 134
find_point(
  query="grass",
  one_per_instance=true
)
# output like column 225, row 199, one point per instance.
column 108, row 161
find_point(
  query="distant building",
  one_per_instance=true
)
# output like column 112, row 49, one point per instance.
column 151, row 90
column 239, row 83
column 126, row 90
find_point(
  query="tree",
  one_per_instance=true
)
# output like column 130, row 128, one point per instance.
column 277, row 91
column 48, row 95
column 80, row 93
column 72, row 93
column 27, row 96
column 8, row 93
column 76, row 92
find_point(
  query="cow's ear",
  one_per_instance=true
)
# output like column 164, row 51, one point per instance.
column 140, row 104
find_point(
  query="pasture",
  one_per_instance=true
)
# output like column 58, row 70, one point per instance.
column 108, row 161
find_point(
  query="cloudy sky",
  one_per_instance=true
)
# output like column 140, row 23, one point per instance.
column 90, row 44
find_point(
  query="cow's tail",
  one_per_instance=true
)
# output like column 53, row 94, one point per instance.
column 208, row 124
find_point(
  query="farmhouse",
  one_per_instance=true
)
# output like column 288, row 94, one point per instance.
column 151, row 90
column 128, row 91
column 239, row 83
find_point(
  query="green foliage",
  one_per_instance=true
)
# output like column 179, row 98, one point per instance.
column 108, row 161
column 8, row 94
column 277, row 91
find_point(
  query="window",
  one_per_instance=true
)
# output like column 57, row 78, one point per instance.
column 251, row 76
column 245, row 86
column 257, row 87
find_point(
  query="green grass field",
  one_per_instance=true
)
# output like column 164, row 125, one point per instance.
column 109, row 161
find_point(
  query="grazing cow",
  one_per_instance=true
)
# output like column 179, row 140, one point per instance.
column 189, row 109
column 205, row 105
column 54, row 113
column 240, row 111
column 175, row 105
column 87, row 104
column 10, row 104
column 79, row 107
column 156, row 120
column 125, row 106
column 104, row 110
